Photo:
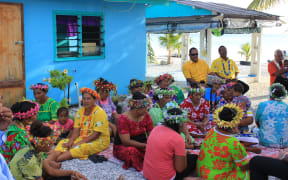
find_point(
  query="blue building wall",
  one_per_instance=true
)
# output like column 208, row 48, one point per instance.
column 125, row 39
column 174, row 9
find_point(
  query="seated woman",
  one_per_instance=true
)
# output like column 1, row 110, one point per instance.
column 165, row 155
column 262, row 167
column 163, row 99
column 221, row 155
column 133, row 128
column 48, row 106
column 211, row 93
column 165, row 81
column 225, row 94
column 198, row 113
column 25, row 113
column 103, row 87
column 30, row 163
column 91, row 132
column 272, row 118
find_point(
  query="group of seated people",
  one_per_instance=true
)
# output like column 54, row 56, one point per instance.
column 150, row 132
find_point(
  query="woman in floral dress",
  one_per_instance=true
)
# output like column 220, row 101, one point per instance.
column 222, row 156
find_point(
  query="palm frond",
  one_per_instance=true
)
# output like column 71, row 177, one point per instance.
column 260, row 5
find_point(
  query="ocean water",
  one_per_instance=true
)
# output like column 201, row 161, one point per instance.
column 233, row 42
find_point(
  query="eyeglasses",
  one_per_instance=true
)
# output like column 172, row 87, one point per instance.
column 194, row 54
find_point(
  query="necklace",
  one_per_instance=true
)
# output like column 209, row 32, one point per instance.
column 227, row 74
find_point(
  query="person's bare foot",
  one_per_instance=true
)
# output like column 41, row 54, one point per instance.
column 121, row 177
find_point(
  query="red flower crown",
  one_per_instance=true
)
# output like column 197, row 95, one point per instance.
column 29, row 113
column 162, row 77
column 90, row 91
column 99, row 85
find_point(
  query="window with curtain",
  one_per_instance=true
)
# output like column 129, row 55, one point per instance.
column 79, row 36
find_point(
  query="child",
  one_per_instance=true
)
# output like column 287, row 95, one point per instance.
column 245, row 104
column 64, row 124
column 286, row 66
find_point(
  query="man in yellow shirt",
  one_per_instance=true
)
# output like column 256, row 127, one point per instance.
column 196, row 70
column 224, row 67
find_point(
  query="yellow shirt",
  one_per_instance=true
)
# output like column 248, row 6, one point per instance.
column 197, row 71
column 227, row 72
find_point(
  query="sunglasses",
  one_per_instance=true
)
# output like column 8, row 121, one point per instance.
column 194, row 54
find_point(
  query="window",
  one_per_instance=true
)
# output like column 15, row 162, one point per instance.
column 79, row 36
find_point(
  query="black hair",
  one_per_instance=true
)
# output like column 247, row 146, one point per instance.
column 136, row 85
column 173, row 125
column 37, row 129
column 278, row 92
column 193, row 48
column 227, row 114
column 221, row 47
column 238, row 88
column 132, row 80
column 62, row 109
column 22, row 107
column 155, row 96
column 44, row 90
column 138, row 96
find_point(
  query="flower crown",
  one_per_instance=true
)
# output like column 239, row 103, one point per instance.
column 162, row 77
column 41, row 141
column 99, row 85
column 90, row 91
column 225, row 124
column 164, row 92
column 39, row 86
column 218, row 81
column 197, row 90
column 173, row 118
column 27, row 114
column 138, row 103
column 134, row 84
column 146, row 83
column 272, row 91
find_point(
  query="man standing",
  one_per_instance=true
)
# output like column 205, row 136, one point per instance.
column 276, row 67
column 195, row 70
column 224, row 67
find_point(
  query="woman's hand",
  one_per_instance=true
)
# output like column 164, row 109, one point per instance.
column 188, row 139
column 78, row 176
column 68, row 145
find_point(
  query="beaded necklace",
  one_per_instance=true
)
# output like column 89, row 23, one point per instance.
column 84, row 124
column 227, row 74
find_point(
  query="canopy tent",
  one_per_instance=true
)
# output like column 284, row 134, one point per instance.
column 185, row 16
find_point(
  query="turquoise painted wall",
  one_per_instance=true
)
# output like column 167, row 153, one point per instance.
column 125, row 39
column 174, row 10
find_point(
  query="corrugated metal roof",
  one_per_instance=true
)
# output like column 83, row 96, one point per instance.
column 229, row 11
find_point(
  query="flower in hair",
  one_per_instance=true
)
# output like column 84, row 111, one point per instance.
column 138, row 103
column 272, row 91
column 99, row 85
column 39, row 86
column 90, row 91
column 197, row 90
column 173, row 118
column 135, row 84
column 27, row 114
column 218, row 81
column 228, row 124
column 167, row 76
column 164, row 92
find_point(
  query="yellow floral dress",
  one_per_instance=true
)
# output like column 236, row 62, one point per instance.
column 96, row 121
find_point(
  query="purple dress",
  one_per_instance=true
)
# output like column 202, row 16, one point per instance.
column 108, row 106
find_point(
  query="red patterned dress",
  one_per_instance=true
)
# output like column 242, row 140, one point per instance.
column 197, row 114
column 131, row 155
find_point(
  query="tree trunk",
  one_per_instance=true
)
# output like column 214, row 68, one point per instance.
column 169, row 49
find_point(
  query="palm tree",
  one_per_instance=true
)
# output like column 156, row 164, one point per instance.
column 169, row 41
column 178, row 47
column 262, row 4
column 245, row 51
column 150, row 53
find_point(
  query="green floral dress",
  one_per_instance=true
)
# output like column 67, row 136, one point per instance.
column 221, row 157
column 17, row 139
column 27, row 164
column 48, row 110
